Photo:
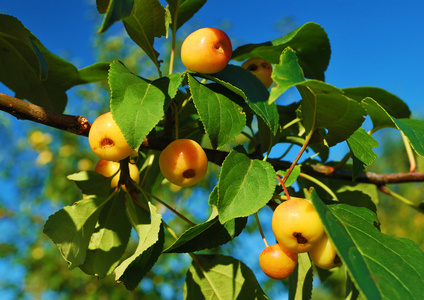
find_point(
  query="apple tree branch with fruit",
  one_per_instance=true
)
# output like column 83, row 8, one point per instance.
column 222, row 110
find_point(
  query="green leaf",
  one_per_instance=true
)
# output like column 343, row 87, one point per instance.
column 292, row 177
column 300, row 282
column 325, row 106
column 245, row 185
column 209, row 234
column 146, row 22
column 33, row 72
column 137, row 105
column 150, row 233
column 248, row 86
column 109, row 240
column 219, row 112
column 183, row 10
column 414, row 130
column 94, row 73
column 116, row 10
column 361, row 144
column 71, row 228
column 286, row 74
column 391, row 103
column 382, row 267
column 91, row 183
column 310, row 42
column 221, row 277
column 411, row 128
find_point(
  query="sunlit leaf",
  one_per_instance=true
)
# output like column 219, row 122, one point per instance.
column 71, row 228
column 310, row 42
column 248, row 86
column 137, row 105
column 361, row 144
column 221, row 277
column 382, row 267
column 91, row 183
column 286, row 74
column 109, row 239
column 219, row 112
column 148, row 227
column 245, row 185
column 300, row 282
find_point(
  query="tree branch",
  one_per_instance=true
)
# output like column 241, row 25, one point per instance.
column 24, row 110
column 79, row 125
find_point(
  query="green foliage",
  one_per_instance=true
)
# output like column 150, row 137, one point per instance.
column 221, row 277
column 239, row 121
column 354, row 232
column 36, row 74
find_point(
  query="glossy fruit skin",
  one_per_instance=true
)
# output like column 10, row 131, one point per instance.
column 277, row 262
column 261, row 68
column 109, row 168
column 296, row 225
column 206, row 50
column 106, row 139
column 183, row 162
column 324, row 254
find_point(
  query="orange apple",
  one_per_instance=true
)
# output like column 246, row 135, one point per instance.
column 261, row 68
column 277, row 262
column 106, row 139
column 183, row 162
column 296, row 225
column 206, row 50
column 109, row 168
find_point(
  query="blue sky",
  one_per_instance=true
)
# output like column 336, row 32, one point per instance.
column 374, row 43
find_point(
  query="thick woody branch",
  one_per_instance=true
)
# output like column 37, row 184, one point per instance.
column 24, row 110
column 79, row 125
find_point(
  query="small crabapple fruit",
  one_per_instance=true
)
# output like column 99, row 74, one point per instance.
column 206, row 50
column 296, row 225
column 109, row 168
column 106, row 139
column 183, row 162
column 324, row 255
column 261, row 68
column 277, row 262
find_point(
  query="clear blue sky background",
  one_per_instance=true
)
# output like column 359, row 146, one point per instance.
column 374, row 43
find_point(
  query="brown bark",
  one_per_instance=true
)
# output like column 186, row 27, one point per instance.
column 79, row 125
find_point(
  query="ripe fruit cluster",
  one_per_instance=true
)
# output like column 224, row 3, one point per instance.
column 208, row 50
column 107, row 142
column 297, row 227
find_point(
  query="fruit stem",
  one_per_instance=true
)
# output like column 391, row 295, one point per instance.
column 396, row 196
column 320, row 184
column 149, row 165
column 168, row 207
column 169, row 229
column 305, row 144
column 260, row 229
column 410, row 153
column 175, row 111
column 174, row 38
column 284, row 187
column 286, row 152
